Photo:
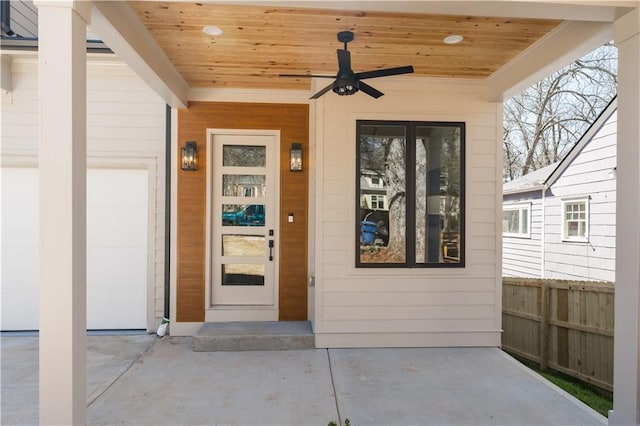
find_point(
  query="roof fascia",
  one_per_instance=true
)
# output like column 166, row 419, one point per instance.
column 582, row 143
column 524, row 190
column 117, row 24
column 567, row 10
column 566, row 43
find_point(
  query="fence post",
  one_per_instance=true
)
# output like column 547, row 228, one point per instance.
column 543, row 310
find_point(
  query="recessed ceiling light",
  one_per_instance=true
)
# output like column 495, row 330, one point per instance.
column 453, row 39
column 212, row 30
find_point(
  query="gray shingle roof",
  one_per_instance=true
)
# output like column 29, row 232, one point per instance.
column 531, row 181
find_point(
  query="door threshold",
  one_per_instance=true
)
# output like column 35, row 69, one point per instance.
column 227, row 313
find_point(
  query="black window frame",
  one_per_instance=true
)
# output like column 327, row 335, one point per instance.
column 410, row 139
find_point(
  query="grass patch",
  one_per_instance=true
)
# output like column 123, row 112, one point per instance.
column 575, row 387
column 584, row 392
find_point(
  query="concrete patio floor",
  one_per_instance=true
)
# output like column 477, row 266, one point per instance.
column 143, row 380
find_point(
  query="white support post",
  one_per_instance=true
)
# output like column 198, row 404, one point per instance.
column 626, row 377
column 62, row 149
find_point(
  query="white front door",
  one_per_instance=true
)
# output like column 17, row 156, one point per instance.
column 243, row 214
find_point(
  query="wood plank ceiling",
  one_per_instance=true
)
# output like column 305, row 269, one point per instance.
column 260, row 42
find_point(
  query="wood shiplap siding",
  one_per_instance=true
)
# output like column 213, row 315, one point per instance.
column 293, row 123
column 589, row 175
column 521, row 256
column 401, row 306
column 125, row 128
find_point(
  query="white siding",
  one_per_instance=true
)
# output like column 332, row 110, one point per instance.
column 407, row 307
column 125, row 128
column 522, row 257
column 589, row 175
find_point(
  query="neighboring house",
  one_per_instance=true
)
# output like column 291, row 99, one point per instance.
column 126, row 144
column 374, row 193
column 559, row 221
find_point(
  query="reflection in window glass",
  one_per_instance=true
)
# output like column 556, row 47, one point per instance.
column 412, row 164
column 243, row 274
column 243, row 186
column 437, row 194
column 244, row 156
column 515, row 220
column 243, row 215
column 243, row 245
column 511, row 221
column 382, row 194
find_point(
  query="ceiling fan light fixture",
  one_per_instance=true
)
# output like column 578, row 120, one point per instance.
column 453, row 39
column 348, row 89
column 212, row 30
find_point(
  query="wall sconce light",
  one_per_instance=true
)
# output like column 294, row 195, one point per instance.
column 296, row 157
column 190, row 156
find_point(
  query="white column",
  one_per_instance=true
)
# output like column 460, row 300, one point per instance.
column 62, row 150
column 626, row 380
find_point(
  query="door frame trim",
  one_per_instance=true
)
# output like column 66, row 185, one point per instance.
column 239, row 312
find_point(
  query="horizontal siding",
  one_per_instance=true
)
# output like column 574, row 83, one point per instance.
column 437, row 325
column 125, row 120
column 372, row 313
column 522, row 257
column 366, row 301
column 589, row 175
column 396, row 298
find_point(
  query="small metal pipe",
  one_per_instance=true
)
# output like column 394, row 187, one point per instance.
column 167, row 213
column 5, row 19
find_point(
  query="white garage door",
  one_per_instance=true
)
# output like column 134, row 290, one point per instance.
column 117, row 248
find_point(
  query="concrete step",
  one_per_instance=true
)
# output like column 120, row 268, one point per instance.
column 254, row 336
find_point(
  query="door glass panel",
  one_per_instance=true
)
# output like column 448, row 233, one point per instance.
column 243, row 265
column 243, row 245
column 244, row 186
column 243, row 274
column 243, row 214
column 244, row 156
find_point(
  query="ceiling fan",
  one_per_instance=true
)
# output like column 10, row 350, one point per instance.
column 348, row 82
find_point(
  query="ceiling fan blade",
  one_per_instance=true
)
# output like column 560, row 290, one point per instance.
column 307, row 75
column 384, row 72
column 371, row 91
column 344, row 61
column 323, row 91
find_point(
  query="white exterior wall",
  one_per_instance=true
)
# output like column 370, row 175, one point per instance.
column 589, row 175
column 388, row 307
column 125, row 129
column 522, row 257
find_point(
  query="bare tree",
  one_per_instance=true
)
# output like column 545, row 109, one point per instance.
column 396, row 181
column 542, row 123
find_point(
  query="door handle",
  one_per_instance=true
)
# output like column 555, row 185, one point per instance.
column 271, row 250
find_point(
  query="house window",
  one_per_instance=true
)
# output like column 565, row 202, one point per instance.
column 377, row 202
column 419, row 220
column 575, row 220
column 516, row 220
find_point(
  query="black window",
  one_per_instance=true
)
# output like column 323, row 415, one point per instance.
column 421, row 168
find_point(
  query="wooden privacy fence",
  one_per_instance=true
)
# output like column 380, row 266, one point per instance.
column 566, row 326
